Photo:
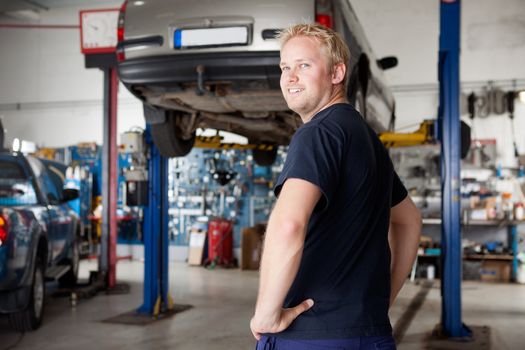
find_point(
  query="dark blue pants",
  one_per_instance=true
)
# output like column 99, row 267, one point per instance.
column 358, row 343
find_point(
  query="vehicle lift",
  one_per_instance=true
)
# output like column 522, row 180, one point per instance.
column 105, row 277
column 449, row 120
column 156, row 300
column 454, row 137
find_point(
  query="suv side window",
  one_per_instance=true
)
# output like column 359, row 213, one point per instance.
column 48, row 188
column 57, row 173
column 15, row 188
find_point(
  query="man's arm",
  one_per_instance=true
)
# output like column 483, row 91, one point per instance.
column 403, row 236
column 283, row 248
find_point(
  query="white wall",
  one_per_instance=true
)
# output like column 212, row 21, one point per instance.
column 492, row 38
column 60, row 101
column 49, row 125
column 492, row 49
column 46, row 94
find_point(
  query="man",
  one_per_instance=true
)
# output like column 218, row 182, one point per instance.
column 343, row 234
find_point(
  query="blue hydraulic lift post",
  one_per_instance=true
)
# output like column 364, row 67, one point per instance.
column 164, row 239
column 156, row 297
column 449, row 120
column 513, row 232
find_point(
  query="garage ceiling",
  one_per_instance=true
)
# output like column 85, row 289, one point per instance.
column 43, row 5
column 30, row 9
column 22, row 5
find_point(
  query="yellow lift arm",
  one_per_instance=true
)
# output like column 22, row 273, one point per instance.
column 216, row 143
column 424, row 135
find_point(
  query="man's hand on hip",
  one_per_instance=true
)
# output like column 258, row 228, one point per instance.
column 261, row 324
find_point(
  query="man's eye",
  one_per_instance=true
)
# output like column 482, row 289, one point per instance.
column 285, row 68
column 304, row 65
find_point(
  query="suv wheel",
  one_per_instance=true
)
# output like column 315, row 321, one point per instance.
column 167, row 137
column 31, row 318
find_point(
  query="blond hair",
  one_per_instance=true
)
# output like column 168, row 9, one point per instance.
column 332, row 44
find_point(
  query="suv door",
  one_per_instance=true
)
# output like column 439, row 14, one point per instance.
column 60, row 223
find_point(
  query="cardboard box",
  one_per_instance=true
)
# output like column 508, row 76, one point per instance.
column 495, row 271
column 251, row 246
column 196, row 247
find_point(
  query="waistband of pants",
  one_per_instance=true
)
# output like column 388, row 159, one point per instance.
column 364, row 343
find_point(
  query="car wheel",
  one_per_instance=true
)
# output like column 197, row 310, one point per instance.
column 360, row 102
column 71, row 276
column 265, row 157
column 167, row 138
column 31, row 318
column 358, row 85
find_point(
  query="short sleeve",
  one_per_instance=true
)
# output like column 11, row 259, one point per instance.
column 399, row 191
column 314, row 155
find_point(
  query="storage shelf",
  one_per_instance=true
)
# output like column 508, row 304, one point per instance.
column 512, row 228
column 437, row 221
column 474, row 257
column 488, row 257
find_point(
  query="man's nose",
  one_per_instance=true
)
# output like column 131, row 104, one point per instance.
column 292, row 76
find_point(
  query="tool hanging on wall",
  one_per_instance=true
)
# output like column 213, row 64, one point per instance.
column 471, row 101
column 510, row 97
column 2, row 135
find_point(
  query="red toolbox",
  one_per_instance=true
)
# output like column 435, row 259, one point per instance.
column 220, row 242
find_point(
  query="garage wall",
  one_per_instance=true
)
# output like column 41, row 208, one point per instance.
column 492, row 49
column 492, row 42
column 45, row 89
column 46, row 94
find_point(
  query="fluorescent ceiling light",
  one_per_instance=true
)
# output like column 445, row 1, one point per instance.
column 16, row 145
column 521, row 95
column 24, row 15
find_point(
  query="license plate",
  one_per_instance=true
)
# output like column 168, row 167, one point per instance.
column 210, row 37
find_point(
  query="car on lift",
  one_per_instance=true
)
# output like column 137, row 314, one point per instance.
column 38, row 235
column 215, row 64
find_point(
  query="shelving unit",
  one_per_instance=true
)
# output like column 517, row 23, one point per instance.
column 512, row 229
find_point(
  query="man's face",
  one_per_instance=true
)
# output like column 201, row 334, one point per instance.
column 306, row 80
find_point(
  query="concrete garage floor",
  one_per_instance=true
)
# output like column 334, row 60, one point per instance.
column 223, row 301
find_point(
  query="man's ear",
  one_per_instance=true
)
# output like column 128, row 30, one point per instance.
column 338, row 73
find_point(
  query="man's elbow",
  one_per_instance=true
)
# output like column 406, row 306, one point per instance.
column 414, row 222
column 418, row 221
column 290, row 228
column 406, row 213
column 410, row 222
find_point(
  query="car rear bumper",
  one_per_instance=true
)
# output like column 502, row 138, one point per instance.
column 223, row 66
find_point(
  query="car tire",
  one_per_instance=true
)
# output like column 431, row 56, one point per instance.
column 30, row 318
column 71, row 276
column 167, row 139
column 265, row 157
column 360, row 101
column 358, row 85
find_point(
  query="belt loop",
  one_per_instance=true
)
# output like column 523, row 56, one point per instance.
column 269, row 344
column 274, row 343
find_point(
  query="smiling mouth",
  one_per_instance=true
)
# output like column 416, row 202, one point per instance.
column 294, row 91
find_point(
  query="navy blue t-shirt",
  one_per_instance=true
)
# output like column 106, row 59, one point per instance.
column 345, row 267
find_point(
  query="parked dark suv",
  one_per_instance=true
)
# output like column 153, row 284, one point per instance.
column 38, row 235
column 215, row 64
